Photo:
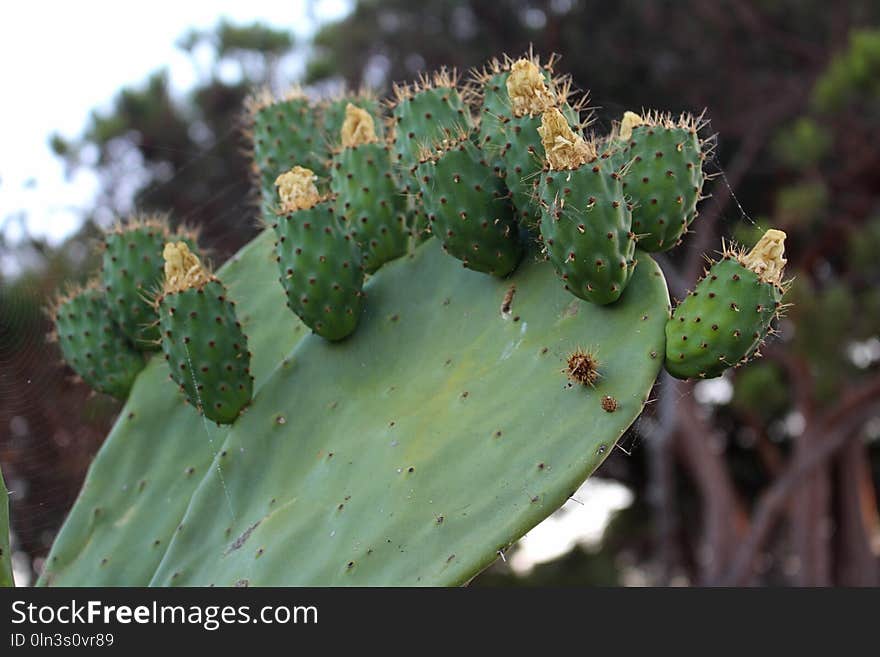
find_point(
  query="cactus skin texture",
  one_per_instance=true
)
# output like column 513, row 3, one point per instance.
column 132, row 273
column 443, row 479
column 332, row 113
column 202, row 340
column 367, row 195
column 320, row 264
column 586, row 223
column 6, row 579
column 664, row 177
column 468, row 209
column 93, row 345
column 285, row 133
column 724, row 320
column 422, row 115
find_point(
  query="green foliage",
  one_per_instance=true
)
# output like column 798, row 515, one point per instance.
column 761, row 388
column 802, row 204
column 852, row 74
column 802, row 145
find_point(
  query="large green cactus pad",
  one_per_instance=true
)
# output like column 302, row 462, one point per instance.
column 437, row 434
column 5, row 554
column 141, row 481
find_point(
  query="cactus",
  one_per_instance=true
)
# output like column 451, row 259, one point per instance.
column 459, row 411
column 423, row 114
column 367, row 195
column 724, row 320
column 515, row 94
column 585, row 220
column 6, row 580
column 320, row 265
column 663, row 176
column 204, row 345
column 92, row 344
column 334, row 111
column 131, row 274
column 284, row 132
column 467, row 207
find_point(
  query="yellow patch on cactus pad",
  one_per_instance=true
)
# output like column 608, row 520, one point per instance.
column 358, row 127
column 527, row 90
column 564, row 148
column 297, row 190
column 182, row 268
column 630, row 120
column 765, row 259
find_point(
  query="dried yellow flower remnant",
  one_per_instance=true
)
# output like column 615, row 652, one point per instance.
column 766, row 258
column 527, row 89
column 182, row 268
column 358, row 127
column 564, row 148
column 297, row 190
column 630, row 120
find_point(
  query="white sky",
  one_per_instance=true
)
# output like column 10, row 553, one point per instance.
column 60, row 60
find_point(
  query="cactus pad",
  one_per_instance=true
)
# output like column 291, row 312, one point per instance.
column 5, row 554
column 93, row 345
column 725, row 319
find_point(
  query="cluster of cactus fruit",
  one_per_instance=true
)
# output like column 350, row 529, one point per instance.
column 504, row 173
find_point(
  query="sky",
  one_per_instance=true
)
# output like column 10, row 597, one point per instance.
column 60, row 60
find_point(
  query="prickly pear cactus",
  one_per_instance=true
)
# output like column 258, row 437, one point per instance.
column 585, row 219
column 367, row 194
column 5, row 554
column 132, row 273
column 334, row 111
column 727, row 316
column 410, row 426
column 663, row 176
column 202, row 339
column 92, row 344
column 467, row 207
column 285, row 132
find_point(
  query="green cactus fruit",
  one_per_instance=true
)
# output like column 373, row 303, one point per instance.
column 724, row 320
column 92, row 343
column 145, row 473
column 514, row 96
column 285, row 132
column 438, row 461
column 333, row 113
column 663, row 176
column 131, row 273
column 320, row 263
column 468, row 208
column 423, row 114
column 585, row 220
column 6, row 579
column 202, row 339
column 368, row 198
